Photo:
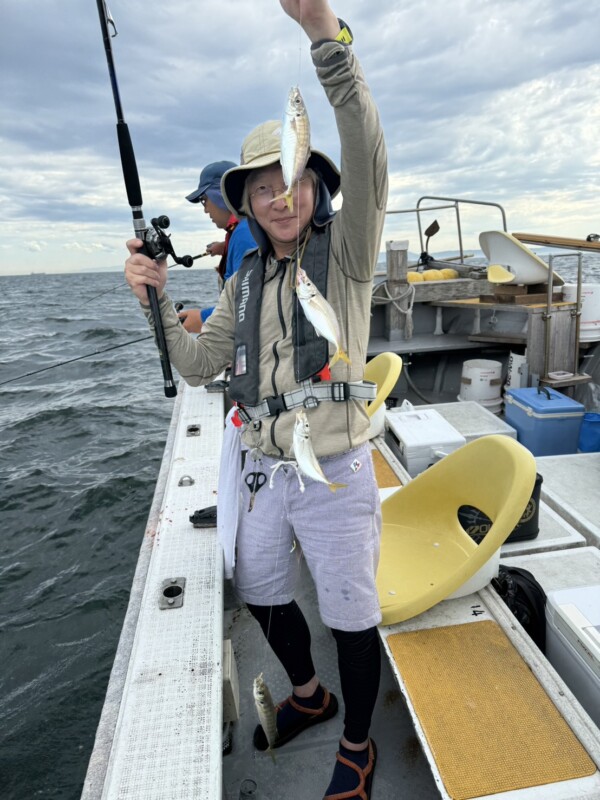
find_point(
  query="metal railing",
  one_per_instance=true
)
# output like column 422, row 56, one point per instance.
column 448, row 202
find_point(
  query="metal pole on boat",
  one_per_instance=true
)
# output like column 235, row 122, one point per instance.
column 157, row 244
column 578, row 314
column 547, row 317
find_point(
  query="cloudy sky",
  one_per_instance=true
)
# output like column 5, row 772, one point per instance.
column 494, row 100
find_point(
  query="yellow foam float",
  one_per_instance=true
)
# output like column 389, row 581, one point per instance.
column 433, row 275
column 449, row 274
column 445, row 274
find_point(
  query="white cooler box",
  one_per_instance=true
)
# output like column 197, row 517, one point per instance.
column 573, row 642
column 419, row 437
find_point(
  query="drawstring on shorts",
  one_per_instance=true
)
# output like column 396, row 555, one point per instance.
column 293, row 464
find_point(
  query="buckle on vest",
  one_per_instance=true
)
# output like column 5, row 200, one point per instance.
column 243, row 414
column 275, row 404
column 340, row 391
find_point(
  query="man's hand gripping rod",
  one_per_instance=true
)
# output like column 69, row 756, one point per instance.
column 157, row 244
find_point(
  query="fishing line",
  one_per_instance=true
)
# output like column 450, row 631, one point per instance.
column 95, row 352
column 300, row 32
column 78, row 358
column 298, row 258
column 122, row 285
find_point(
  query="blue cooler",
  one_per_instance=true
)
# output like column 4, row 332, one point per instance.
column 547, row 422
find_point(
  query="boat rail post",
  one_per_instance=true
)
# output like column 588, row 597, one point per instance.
column 396, row 253
column 547, row 317
column 578, row 314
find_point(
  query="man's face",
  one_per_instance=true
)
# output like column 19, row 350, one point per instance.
column 281, row 225
column 219, row 216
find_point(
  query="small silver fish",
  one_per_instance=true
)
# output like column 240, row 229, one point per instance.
column 295, row 144
column 305, row 455
column 267, row 714
column 320, row 314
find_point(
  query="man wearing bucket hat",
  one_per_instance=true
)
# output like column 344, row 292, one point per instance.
column 238, row 238
column 280, row 365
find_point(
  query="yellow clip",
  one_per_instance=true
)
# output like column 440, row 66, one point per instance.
column 344, row 36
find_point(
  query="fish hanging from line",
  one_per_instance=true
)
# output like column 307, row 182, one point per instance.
column 305, row 455
column 320, row 314
column 295, row 144
column 267, row 713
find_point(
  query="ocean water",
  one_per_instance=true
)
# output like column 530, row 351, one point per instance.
column 80, row 450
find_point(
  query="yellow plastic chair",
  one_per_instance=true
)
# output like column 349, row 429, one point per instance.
column 384, row 370
column 426, row 555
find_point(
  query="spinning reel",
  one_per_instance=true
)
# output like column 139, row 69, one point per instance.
column 159, row 243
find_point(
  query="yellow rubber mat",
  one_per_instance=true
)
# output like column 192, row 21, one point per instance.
column 490, row 725
column 385, row 475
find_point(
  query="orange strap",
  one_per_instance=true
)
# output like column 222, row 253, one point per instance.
column 362, row 775
column 311, row 711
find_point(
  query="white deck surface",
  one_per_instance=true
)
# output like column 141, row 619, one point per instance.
column 572, row 487
column 555, row 534
column 561, row 569
column 472, row 420
column 164, row 743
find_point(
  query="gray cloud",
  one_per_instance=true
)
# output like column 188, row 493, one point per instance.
column 488, row 99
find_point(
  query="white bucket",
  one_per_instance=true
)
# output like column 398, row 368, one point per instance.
column 481, row 381
column 495, row 406
column 377, row 422
column 481, row 578
column 516, row 371
column 589, row 324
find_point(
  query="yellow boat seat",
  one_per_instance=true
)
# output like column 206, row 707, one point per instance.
column 384, row 370
column 426, row 555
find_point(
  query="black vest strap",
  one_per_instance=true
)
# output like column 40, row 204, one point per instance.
column 311, row 352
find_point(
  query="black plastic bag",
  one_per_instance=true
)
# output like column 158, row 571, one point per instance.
column 526, row 599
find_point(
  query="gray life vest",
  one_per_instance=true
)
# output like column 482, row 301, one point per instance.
column 311, row 352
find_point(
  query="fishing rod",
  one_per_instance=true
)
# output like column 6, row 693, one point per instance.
column 156, row 243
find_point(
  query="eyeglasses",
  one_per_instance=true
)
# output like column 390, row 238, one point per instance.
column 264, row 194
column 203, row 200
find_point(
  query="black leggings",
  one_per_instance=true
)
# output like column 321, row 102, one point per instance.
column 359, row 661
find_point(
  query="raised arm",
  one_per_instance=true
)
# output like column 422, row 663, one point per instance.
column 314, row 16
column 357, row 231
column 356, row 234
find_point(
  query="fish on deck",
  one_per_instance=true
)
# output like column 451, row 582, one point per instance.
column 265, row 707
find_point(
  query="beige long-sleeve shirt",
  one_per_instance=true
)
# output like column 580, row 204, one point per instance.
column 354, row 248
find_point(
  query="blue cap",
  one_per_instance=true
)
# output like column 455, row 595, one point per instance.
column 210, row 178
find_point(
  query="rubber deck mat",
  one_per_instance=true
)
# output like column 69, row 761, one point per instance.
column 490, row 725
column 384, row 474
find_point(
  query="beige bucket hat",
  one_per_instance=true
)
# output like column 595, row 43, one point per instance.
column 261, row 148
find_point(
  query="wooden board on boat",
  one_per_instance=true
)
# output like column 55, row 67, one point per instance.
column 523, row 299
column 562, row 242
column 430, row 291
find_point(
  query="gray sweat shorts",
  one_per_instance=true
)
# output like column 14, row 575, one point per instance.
column 337, row 533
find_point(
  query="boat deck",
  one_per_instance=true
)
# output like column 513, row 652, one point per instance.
column 302, row 769
column 161, row 729
column 572, row 489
